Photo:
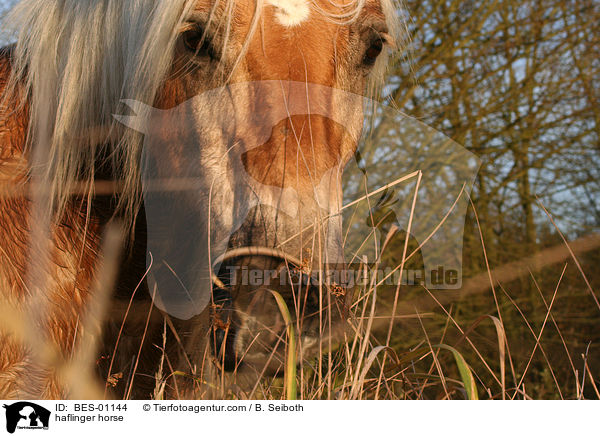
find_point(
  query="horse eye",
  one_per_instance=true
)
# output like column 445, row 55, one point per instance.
column 196, row 41
column 373, row 52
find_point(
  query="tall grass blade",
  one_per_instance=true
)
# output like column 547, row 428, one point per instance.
column 291, row 364
column 500, row 332
column 465, row 372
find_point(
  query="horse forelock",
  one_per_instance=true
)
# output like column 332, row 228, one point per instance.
column 77, row 59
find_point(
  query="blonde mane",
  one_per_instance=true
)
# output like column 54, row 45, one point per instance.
column 76, row 60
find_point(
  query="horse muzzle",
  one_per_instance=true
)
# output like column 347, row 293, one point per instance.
column 249, row 326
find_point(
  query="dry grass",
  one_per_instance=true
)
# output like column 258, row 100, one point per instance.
column 407, row 344
column 371, row 361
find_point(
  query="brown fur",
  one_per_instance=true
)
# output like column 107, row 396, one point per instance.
column 73, row 256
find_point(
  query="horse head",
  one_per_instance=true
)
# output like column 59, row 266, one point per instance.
column 242, row 163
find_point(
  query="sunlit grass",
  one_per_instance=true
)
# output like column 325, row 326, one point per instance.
column 489, row 344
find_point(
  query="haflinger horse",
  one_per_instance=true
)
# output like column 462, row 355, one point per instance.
column 210, row 136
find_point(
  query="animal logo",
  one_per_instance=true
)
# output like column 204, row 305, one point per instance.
column 26, row 415
column 183, row 251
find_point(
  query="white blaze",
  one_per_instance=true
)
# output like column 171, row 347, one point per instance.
column 291, row 12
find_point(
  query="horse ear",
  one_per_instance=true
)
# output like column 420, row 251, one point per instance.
column 139, row 121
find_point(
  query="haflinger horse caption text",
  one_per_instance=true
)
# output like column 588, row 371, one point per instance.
column 296, row 417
